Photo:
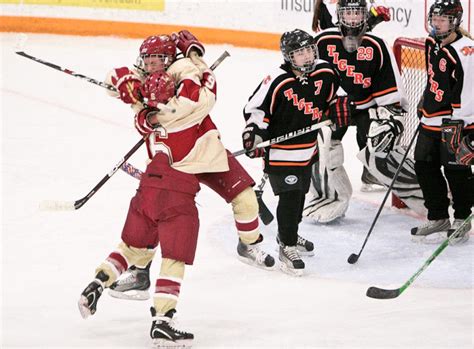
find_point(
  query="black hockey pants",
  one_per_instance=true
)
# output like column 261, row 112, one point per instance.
column 433, row 183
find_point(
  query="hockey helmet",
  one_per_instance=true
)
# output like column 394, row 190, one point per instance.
column 352, row 16
column 299, row 50
column 450, row 9
column 160, row 46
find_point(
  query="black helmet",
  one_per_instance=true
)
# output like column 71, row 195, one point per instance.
column 352, row 16
column 297, row 40
column 452, row 9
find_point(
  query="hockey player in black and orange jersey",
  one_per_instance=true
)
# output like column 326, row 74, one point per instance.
column 447, row 121
column 369, row 75
column 295, row 95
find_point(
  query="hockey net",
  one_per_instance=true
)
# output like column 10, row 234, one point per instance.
column 410, row 57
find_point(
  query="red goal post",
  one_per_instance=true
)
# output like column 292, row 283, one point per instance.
column 410, row 56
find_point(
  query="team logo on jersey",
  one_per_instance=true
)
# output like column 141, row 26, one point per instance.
column 291, row 179
column 302, row 105
column 467, row 50
column 349, row 69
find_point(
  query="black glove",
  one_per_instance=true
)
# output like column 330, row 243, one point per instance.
column 340, row 111
column 251, row 137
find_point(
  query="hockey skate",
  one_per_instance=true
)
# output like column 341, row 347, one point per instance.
column 431, row 231
column 290, row 261
column 164, row 335
column 304, row 247
column 462, row 235
column 370, row 183
column 133, row 284
column 91, row 294
column 253, row 255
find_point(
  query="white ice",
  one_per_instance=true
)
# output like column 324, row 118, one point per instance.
column 61, row 135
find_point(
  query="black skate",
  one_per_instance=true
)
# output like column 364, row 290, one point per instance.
column 253, row 255
column 433, row 231
column 304, row 247
column 133, row 284
column 290, row 261
column 164, row 335
column 90, row 296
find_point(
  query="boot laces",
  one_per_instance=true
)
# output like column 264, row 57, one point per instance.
column 291, row 252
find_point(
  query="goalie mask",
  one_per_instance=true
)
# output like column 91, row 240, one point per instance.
column 444, row 18
column 352, row 16
column 299, row 50
column 157, row 53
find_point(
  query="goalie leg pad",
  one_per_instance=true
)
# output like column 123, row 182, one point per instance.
column 332, row 193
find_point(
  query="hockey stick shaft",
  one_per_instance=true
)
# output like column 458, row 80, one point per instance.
column 380, row 293
column 57, row 205
column 285, row 137
column 81, row 76
column 264, row 213
column 353, row 258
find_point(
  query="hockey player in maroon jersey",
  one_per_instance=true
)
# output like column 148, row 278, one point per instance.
column 295, row 95
column 191, row 143
column 368, row 75
column 447, row 124
column 229, row 179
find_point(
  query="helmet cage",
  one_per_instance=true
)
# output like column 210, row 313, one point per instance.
column 307, row 66
column 166, row 59
column 453, row 25
column 353, row 17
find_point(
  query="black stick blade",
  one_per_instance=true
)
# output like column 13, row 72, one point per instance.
column 264, row 213
column 380, row 293
column 353, row 258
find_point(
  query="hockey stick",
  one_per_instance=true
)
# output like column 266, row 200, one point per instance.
column 264, row 213
column 83, row 77
column 52, row 205
column 68, row 205
column 353, row 258
column 381, row 293
column 285, row 137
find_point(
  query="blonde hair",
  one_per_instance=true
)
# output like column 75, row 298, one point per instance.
column 464, row 32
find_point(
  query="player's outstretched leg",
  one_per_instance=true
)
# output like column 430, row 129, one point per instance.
column 91, row 294
column 163, row 333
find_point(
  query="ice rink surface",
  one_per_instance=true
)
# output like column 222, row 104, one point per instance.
column 61, row 135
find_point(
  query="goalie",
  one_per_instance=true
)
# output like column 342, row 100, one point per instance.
column 369, row 77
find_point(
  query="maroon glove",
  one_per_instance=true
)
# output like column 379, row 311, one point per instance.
column 127, row 84
column 377, row 15
column 186, row 41
column 158, row 88
column 143, row 126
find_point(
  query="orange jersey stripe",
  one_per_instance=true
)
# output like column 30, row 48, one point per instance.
column 294, row 146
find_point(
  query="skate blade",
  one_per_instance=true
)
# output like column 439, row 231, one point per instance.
column 132, row 295
column 431, row 239
column 371, row 188
column 83, row 309
column 255, row 264
column 163, row 343
column 290, row 271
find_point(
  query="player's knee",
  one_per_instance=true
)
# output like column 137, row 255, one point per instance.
column 139, row 257
column 245, row 205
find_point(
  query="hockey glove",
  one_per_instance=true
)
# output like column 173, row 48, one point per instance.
column 128, row 85
column 158, row 88
column 251, row 137
column 186, row 42
column 377, row 15
column 340, row 111
column 465, row 153
column 450, row 140
column 142, row 121
column 384, row 128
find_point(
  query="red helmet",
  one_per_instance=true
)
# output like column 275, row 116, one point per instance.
column 161, row 46
column 158, row 88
